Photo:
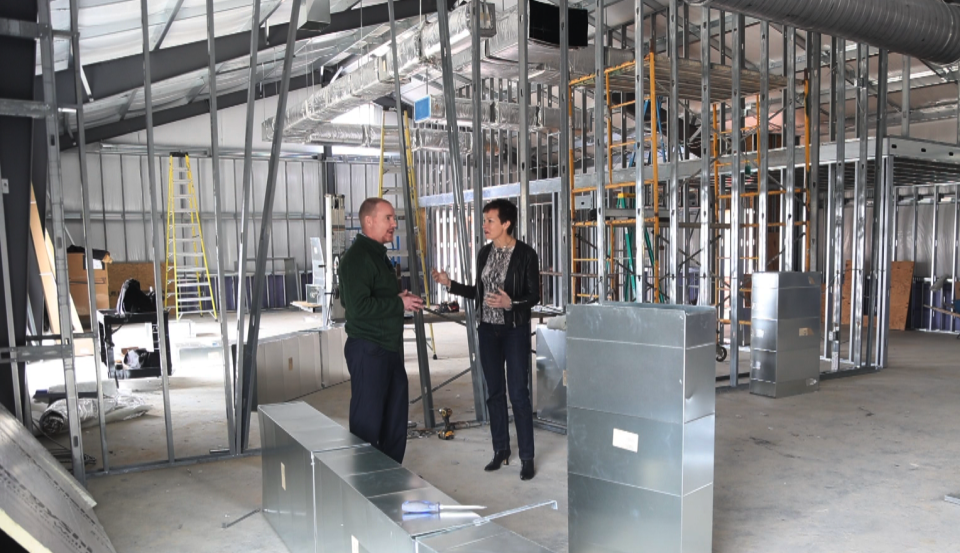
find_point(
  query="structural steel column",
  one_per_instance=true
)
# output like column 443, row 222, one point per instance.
column 836, row 217
column 523, row 138
column 159, row 278
column 563, row 154
column 787, row 237
column 479, row 384
column 763, row 145
column 736, row 187
column 88, row 250
column 245, row 381
column 905, row 102
column 221, row 234
column 599, row 153
column 879, row 262
column 704, row 289
column 410, row 215
column 857, row 274
column 674, row 279
column 814, row 43
column 266, row 230
column 639, row 266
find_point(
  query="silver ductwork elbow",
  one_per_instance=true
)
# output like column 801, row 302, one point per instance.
column 924, row 29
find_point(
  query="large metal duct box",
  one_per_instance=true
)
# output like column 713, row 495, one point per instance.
column 325, row 491
column 640, row 427
column 290, row 434
column 314, row 15
column 334, row 365
column 288, row 367
column 785, row 334
column 551, row 374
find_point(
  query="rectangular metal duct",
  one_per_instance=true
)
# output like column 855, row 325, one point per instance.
column 314, row 15
column 785, row 334
column 640, row 428
column 333, row 363
column 293, row 365
column 551, row 374
column 324, row 491
column 290, row 433
column 542, row 30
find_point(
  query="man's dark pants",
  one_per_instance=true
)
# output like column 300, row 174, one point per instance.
column 379, row 405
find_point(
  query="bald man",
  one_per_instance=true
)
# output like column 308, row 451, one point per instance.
column 374, row 304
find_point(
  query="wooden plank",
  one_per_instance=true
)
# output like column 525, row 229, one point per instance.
column 43, row 247
column 901, row 284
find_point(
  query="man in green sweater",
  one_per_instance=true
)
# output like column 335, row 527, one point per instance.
column 374, row 304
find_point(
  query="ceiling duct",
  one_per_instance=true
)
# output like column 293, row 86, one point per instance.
column 924, row 29
column 433, row 109
column 374, row 78
column 368, row 136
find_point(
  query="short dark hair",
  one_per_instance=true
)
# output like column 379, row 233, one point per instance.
column 506, row 211
column 368, row 207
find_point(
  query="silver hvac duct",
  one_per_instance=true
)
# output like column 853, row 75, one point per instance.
column 368, row 136
column 925, row 29
column 373, row 79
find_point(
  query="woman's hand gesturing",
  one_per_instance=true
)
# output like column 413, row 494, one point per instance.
column 440, row 277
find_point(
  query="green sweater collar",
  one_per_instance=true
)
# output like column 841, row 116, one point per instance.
column 372, row 245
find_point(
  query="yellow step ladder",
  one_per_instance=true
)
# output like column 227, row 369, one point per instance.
column 188, row 287
column 419, row 215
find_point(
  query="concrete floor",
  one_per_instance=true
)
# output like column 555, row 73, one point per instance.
column 862, row 465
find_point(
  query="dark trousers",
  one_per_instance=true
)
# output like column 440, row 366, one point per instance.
column 501, row 344
column 379, row 398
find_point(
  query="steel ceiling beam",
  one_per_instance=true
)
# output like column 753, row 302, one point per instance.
column 179, row 113
column 121, row 75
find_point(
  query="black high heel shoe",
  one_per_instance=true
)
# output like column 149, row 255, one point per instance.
column 526, row 470
column 500, row 458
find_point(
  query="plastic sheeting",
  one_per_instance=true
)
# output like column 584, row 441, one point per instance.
column 117, row 408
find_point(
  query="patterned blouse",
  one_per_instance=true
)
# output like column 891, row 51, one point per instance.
column 493, row 276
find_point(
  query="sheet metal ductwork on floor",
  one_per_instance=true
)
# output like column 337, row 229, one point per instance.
column 925, row 29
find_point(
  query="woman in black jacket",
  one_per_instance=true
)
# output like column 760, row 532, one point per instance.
column 506, row 288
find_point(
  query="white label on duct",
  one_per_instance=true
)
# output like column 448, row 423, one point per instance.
column 626, row 440
column 283, row 476
column 354, row 545
column 759, row 333
column 806, row 332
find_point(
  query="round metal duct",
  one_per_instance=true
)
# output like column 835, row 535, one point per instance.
column 925, row 29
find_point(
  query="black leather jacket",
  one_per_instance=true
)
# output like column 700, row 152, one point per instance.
column 522, row 284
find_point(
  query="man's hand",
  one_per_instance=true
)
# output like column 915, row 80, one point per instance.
column 410, row 301
column 441, row 277
column 498, row 300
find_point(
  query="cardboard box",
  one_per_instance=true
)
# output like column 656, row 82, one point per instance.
column 76, row 268
column 78, row 290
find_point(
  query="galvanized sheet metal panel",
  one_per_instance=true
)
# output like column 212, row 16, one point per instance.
column 785, row 334
column 551, row 380
column 641, row 427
